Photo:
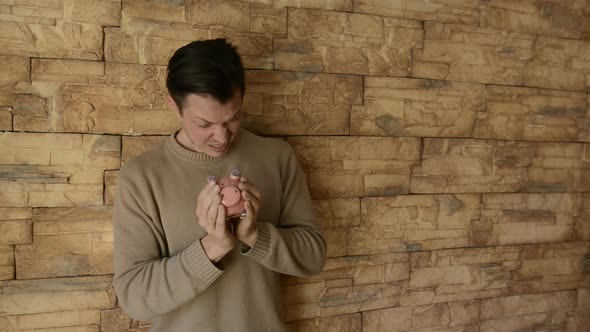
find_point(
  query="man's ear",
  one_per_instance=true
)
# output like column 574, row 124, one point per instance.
column 174, row 107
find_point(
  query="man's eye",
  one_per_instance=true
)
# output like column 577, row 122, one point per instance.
column 237, row 116
column 204, row 125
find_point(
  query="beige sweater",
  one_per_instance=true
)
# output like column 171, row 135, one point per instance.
column 161, row 270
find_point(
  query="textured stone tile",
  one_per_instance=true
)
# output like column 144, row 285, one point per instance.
column 338, row 213
column 412, row 223
column 448, row 11
column 335, row 42
column 562, row 64
column 356, row 166
column 5, row 118
column 15, row 232
column 351, row 284
column 6, row 263
column 55, row 170
column 526, row 218
column 288, row 103
column 67, row 242
column 555, row 18
column 468, row 53
column 337, row 5
column 583, row 221
column 51, row 39
column 153, row 10
column 514, row 113
column 552, row 267
column 75, row 320
column 83, row 96
column 411, row 107
column 522, row 312
column 110, row 186
column 458, row 165
column 106, row 12
column 389, row 319
column 152, row 42
column 66, row 71
column 115, row 320
column 54, row 295
column 342, row 323
column 133, row 146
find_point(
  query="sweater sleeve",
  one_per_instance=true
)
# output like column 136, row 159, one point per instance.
column 147, row 284
column 296, row 245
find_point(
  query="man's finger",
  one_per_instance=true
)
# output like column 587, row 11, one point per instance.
column 220, row 220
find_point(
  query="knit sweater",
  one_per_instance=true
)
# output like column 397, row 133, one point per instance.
column 163, row 274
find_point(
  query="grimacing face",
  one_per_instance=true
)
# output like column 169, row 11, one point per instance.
column 208, row 126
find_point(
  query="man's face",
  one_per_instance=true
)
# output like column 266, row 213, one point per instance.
column 209, row 125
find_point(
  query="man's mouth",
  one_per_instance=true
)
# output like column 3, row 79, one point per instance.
column 218, row 148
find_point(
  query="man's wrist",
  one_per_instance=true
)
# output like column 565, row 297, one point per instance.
column 250, row 239
column 214, row 252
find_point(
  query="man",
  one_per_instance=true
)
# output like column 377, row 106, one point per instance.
column 176, row 260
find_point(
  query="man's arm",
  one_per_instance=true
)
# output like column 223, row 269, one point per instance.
column 297, row 246
column 146, row 284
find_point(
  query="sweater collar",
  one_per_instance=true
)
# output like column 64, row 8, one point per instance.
column 194, row 156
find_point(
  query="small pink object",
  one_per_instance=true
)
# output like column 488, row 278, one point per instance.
column 231, row 196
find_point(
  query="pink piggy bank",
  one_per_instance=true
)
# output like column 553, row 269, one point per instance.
column 231, row 197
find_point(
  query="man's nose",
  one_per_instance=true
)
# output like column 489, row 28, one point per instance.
column 221, row 134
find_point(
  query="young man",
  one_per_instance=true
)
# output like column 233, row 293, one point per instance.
column 176, row 260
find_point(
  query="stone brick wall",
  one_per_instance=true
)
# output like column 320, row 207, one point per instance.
column 446, row 142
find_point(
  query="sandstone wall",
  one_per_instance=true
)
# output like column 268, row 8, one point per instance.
column 446, row 142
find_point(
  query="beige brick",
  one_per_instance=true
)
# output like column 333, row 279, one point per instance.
column 56, row 169
column 345, row 166
column 468, row 53
column 467, row 312
column 514, row 113
column 267, row 19
column 134, row 146
column 554, row 18
column 301, row 311
column 64, row 40
column 448, row 11
column 54, row 295
column 15, row 213
column 5, row 118
column 336, row 42
column 287, row 103
column 256, row 50
column 337, row 213
column 455, row 165
column 120, row 47
column 66, row 71
column 6, row 263
column 150, row 10
column 337, row 241
column 527, row 304
column 337, row 5
column 106, row 12
column 347, row 300
column 134, row 76
column 583, row 221
column 343, row 323
column 54, row 4
column 16, row 232
column 411, row 223
column 410, row 107
column 114, row 320
column 302, row 293
column 14, row 68
column 390, row 319
column 68, row 242
column 562, row 64
column 56, row 320
column 525, row 218
column 430, row 316
column 110, row 186
column 230, row 14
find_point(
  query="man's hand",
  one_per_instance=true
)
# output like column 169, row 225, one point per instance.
column 219, row 240
column 246, row 228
